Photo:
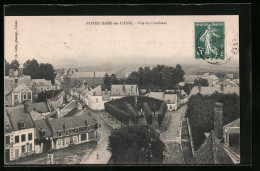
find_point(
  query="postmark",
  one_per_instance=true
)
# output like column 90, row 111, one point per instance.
column 210, row 42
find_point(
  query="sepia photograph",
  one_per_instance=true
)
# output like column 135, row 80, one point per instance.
column 85, row 90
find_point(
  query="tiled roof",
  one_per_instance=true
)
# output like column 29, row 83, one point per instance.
column 123, row 90
column 96, row 91
column 235, row 123
column 36, row 116
column 7, row 122
column 211, row 152
column 71, row 122
column 41, row 82
column 40, row 107
column 22, row 88
column 157, row 95
column 42, row 124
column 18, row 114
column 170, row 98
column 232, row 130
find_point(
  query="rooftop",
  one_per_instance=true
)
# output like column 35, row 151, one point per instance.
column 17, row 115
column 123, row 90
column 22, row 88
column 41, row 82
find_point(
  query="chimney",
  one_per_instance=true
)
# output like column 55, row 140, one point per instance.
column 11, row 72
column 20, row 72
column 26, row 108
column 218, row 120
column 222, row 87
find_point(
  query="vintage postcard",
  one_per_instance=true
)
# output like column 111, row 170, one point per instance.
column 122, row 89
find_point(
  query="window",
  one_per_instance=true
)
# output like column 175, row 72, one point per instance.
column 75, row 139
column 91, row 135
column 24, row 97
column 30, row 147
column 30, row 136
column 96, row 100
column 67, row 141
column 35, row 89
column 41, row 89
column 59, row 142
column 7, row 127
column 7, row 140
column 23, row 148
column 23, row 138
column 16, row 97
column 29, row 96
column 83, row 137
column 67, row 132
column 76, row 130
column 16, row 139
column 47, row 88
column 59, row 133
column 15, row 80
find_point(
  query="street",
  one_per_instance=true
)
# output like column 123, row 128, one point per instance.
column 172, row 137
column 100, row 154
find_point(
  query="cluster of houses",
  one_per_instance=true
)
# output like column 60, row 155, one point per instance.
column 173, row 98
column 95, row 98
column 213, row 80
column 20, row 88
column 28, row 132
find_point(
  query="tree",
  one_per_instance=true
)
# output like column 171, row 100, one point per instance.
column 136, row 144
column 47, row 72
column 31, row 67
column 14, row 64
column 179, row 73
column 113, row 79
column 201, row 82
column 187, row 88
column 107, row 82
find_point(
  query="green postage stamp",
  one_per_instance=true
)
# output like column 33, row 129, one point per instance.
column 209, row 40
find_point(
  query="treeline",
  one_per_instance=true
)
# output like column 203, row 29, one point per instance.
column 159, row 77
column 201, row 113
column 34, row 69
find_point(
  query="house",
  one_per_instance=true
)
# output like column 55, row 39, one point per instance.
column 16, row 77
column 228, row 83
column 119, row 91
column 231, row 134
column 19, row 133
column 57, row 100
column 68, row 109
column 213, row 150
column 72, row 130
column 171, row 101
column 210, row 90
column 20, row 94
column 212, row 79
column 95, row 99
column 40, row 85
column 230, row 76
column 43, row 136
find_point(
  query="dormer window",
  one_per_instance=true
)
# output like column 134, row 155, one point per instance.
column 59, row 133
column 42, row 132
column 7, row 127
column 67, row 132
column 64, row 126
column 76, row 130
column 21, row 124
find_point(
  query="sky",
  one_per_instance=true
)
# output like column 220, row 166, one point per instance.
column 74, row 40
